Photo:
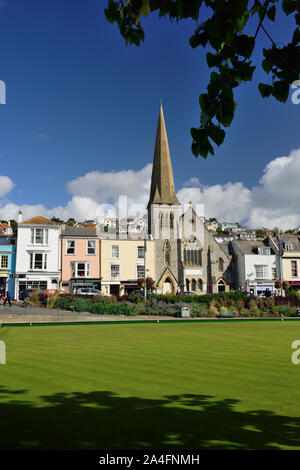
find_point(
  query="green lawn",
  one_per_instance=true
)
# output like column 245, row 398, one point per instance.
column 187, row 385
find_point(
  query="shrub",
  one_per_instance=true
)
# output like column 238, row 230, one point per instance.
column 213, row 310
column 34, row 297
column 253, row 307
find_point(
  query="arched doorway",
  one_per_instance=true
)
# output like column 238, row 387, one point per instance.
column 187, row 285
column 193, row 285
column 221, row 286
column 168, row 287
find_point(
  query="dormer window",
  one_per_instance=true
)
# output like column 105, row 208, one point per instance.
column 288, row 246
column 264, row 250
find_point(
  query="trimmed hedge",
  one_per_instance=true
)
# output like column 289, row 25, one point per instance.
column 80, row 304
column 201, row 299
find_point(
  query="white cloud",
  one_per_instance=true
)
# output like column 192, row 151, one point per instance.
column 274, row 202
column 225, row 202
column 6, row 185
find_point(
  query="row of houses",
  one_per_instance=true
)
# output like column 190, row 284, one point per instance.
column 51, row 256
column 177, row 251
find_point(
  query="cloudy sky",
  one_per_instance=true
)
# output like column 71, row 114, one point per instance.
column 78, row 127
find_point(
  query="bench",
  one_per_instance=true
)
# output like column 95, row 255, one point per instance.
column 227, row 314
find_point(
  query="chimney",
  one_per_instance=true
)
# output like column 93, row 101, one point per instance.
column 20, row 217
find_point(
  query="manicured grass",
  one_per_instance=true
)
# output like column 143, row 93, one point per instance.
column 228, row 385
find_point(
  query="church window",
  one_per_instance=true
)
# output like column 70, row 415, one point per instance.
column 171, row 220
column 167, row 253
column 221, row 264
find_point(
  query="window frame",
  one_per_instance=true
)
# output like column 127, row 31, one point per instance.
column 110, row 271
column 70, row 241
column 143, row 248
column 265, row 271
column 33, row 261
column 294, row 268
column 87, row 247
column 2, row 257
column 74, row 269
column 45, row 236
column 111, row 252
column 139, row 265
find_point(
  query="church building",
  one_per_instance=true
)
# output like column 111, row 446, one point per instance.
column 187, row 257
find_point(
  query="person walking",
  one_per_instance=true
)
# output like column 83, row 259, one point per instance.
column 7, row 298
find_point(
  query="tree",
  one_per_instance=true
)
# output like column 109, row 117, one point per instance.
column 14, row 226
column 57, row 220
column 260, row 233
column 71, row 222
column 223, row 33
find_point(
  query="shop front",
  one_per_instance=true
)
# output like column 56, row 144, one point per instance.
column 295, row 285
column 31, row 283
column 78, row 283
column 257, row 288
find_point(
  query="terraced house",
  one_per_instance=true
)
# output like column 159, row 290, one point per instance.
column 7, row 260
column 38, row 255
column 289, row 248
column 80, row 258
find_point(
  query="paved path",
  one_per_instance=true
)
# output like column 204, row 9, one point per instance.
column 19, row 314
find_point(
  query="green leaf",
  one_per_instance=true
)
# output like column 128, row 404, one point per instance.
column 271, row 12
column 244, row 45
column 217, row 134
column 213, row 60
column 226, row 109
column 289, row 6
column 265, row 90
column 281, row 91
column 145, row 8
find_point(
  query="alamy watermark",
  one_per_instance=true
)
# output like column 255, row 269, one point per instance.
column 2, row 352
column 296, row 94
column 296, row 354
column 2, row 92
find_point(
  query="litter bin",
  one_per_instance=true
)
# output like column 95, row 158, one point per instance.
column 185, row 312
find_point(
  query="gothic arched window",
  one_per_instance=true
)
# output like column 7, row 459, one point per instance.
column 167, row 253
column 171, row 220
column 192, row 253
column 160, row 220
column 221, row 264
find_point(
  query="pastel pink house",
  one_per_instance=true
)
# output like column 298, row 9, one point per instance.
column 80, row 258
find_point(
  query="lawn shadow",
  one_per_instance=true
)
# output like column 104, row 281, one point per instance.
column 104, row 420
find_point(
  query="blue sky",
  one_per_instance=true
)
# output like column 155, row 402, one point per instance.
column 80, row 101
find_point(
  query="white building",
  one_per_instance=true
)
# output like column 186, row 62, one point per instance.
column 38, row 255
column 256, row 264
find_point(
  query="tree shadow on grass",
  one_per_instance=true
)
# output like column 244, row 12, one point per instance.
column 104, row 420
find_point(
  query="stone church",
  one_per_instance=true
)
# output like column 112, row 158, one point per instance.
column 187, row 257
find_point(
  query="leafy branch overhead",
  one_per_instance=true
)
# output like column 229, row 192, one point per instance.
column 230, row 52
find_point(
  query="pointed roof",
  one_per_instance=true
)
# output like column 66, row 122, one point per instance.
column 162, row 181
column 38, row 221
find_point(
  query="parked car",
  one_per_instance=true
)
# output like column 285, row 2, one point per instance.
column 88, row 291
column 52, row 292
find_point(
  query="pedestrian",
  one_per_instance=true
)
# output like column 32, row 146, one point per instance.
column 7, row 299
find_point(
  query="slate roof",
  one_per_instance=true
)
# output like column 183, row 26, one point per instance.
column 245, row 247
column 79, row 231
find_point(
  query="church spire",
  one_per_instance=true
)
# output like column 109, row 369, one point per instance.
column 162, row 181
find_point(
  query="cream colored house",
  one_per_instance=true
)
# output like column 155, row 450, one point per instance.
column 123, row 263
column 290, row 259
